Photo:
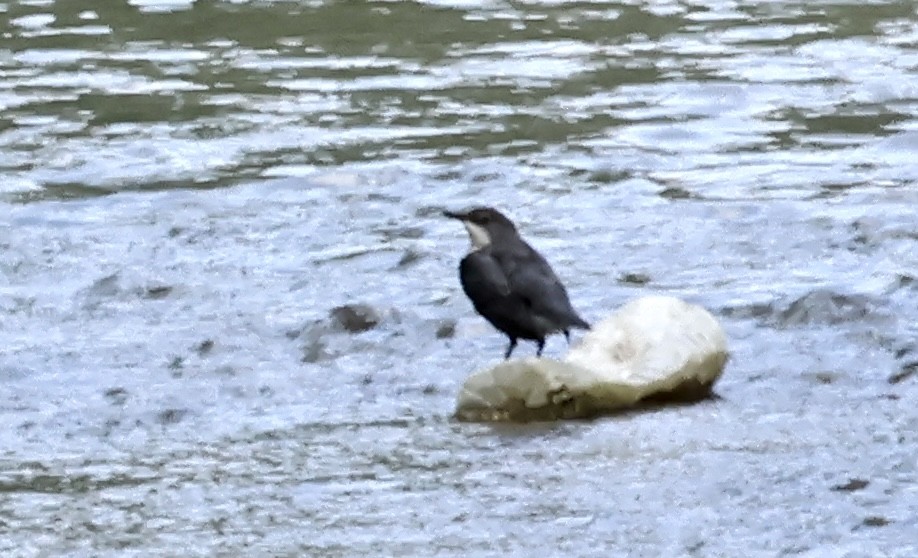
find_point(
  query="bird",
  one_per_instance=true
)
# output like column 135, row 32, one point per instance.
column 510, row 284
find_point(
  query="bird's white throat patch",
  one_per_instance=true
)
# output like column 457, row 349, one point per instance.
column 478, row 235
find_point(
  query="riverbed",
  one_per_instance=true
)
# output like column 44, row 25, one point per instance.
column 191, row 192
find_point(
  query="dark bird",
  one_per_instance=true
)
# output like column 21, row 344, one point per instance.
column 510, row 284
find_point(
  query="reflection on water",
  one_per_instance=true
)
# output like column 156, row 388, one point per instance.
column 187, row 189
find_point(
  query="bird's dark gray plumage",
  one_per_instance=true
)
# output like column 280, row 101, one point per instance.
column 510, row 284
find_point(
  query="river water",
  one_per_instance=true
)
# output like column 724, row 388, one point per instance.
column 188, row 189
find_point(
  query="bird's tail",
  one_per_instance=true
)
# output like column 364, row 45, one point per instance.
column 578, row 322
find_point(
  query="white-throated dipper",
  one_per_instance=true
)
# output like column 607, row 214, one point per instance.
column 510, row 284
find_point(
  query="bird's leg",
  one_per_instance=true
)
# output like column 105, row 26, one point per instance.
column 567, row 335
column 541, row 343
column 510, row 348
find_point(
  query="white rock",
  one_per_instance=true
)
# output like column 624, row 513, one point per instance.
column 653, row 349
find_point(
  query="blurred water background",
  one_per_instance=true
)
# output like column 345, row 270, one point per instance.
column 189, row 189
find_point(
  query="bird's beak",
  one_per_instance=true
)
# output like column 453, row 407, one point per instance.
column 455, row 215
column 478, row 235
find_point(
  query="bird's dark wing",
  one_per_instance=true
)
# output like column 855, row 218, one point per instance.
column 482, row 277
column 532, row 278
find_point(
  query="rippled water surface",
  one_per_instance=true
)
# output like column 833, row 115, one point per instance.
column 189, row 188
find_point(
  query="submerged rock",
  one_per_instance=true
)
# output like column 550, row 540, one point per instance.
column 825, row 307
column 355, row 318
column 654, row 349
column 357, row 328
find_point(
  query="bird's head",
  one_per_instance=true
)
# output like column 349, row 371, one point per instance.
column 484, row 224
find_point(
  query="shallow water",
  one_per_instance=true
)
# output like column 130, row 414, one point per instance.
column 189, row 189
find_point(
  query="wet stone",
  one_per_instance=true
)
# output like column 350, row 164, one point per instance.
column 853, row 485
column 384, row 197
column 355, row 318
column 446, row 329
column 907, row 371
column 825, row 377
column 157, row 292
column 353, row 329
column 685, row 342
column 676, row 193
column 608, row 176
column 825, row 307
column 634, row 278
column 408, row 257
column 486, row 177
column 171, row 416
column 117, row 395
column 101, row 290
column 875, row 521
column 204, row 347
